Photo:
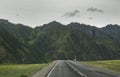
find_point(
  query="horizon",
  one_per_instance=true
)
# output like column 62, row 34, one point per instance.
column 98, row 13
column 58, row 22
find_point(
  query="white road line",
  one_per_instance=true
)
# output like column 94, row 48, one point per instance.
column 52, row 70
column 76, row 70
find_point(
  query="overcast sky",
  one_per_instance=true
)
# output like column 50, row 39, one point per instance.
column 37, row 12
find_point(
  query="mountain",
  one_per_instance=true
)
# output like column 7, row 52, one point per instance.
column 54, row 40
column 113, row 31
column 14, row 46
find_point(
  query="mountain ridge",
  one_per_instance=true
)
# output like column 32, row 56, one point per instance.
column 57, row 41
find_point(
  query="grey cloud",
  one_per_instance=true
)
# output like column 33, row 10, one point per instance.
column 90, row 18
column 72, row 14
column 94, row 10
column 17, row 14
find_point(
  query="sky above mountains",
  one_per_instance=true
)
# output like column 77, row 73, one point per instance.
column 37, row 12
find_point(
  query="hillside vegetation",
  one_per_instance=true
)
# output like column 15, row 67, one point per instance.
column 19, row 70
column 108, row 64
column 23, row 44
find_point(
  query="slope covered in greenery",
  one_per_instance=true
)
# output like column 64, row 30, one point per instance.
column 108, row 64
column 21, row 70
column 57, row 41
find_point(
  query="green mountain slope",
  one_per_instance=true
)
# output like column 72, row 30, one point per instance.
column 56, row 41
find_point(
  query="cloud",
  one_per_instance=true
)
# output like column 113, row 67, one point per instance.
column 94, row 10
column 90, row 18
column 72, row 14
column 17, row 14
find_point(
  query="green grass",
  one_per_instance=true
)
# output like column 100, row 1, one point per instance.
column 19, row 70
column 109, row 64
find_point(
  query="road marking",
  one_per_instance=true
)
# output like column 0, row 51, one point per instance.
column 76, row 70
column 52, row 70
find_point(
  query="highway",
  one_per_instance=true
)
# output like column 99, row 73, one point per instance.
column 62, row 69
column 65, row 68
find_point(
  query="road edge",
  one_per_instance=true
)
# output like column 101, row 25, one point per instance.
column 76, row 70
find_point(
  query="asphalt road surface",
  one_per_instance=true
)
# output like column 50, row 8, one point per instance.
column 90, row 71
column 65, row 68
column 62, row 69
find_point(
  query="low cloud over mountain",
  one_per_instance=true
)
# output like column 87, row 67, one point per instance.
column 72, row 14
column 94, row 10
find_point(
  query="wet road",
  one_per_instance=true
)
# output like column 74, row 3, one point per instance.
column 62, row 69
column 65, row 68
column 91, row 71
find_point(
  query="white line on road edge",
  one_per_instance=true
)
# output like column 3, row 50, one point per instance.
column 76, row 70
column 51, row 70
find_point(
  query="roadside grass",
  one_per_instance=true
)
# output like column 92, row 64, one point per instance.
column 20, row 70
column 109, row 64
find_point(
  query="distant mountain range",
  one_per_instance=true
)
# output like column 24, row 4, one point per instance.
column 23, row 44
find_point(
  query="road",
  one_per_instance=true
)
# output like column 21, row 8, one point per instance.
column 90, row 71
column 65, row 68
column 62, row 69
